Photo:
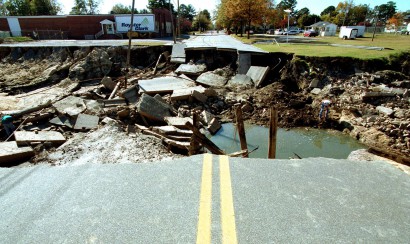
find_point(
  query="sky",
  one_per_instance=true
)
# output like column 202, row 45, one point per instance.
column 315, row 6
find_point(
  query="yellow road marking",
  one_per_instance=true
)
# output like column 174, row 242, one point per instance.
column 205, row 207
column 227, row 209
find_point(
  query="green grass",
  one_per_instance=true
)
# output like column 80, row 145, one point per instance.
column 16, row 39
column 147, row 43
column 320, row 46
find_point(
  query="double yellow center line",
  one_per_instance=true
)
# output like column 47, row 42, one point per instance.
column 205, row 208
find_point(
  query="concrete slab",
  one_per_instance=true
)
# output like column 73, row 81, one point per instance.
column 258, row 74
column 206, row 117
column 27, row 137
column 108, row 83
column 171, row 130
column 184, row 94
column 11, row 153
column 164, row 85
column 153, row 108
column 191, row 69
column 178, row 53
column 211, row 79
column 244, row 62
column 214, row 126
column 62, row 121
column 178, row 121
column 70, row 105
column 241, row 80
column 86, row 122
column 199, row 96
column 131, row 94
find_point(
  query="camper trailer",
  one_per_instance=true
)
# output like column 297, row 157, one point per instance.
column 348, row 33
column 360, row 30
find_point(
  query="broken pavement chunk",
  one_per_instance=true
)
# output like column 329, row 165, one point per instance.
column 178, row 121
column 108, row 83
column 152, row 108
column 184, row 94
column 211, row 79
column 178, row 53
column 214, row 126
column 191, row 69
column 70, row 105
column 240, row 80
column 206, row 117
column 164, row 85
column 258, row 74
column 11, row 153
column 26, row 137
column 199, row 96
column 62, row 121
column 86, row 122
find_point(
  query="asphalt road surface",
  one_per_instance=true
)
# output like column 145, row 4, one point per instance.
column 207, row 199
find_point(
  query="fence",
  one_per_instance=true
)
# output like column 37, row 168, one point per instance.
column 43, row 34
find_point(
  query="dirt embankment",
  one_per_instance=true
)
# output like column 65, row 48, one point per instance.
column 370, row 98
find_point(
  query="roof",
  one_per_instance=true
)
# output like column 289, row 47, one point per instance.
column 321, row 24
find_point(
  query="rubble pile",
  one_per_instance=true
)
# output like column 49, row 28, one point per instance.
column 72, row 110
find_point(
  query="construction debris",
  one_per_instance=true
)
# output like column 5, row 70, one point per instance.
column 11, row 153
column 258, row 74
column 71, row 105
column 191, row 69
column 163, row 85
column 24, row 138
column 86, row 122
column 211, row 79
column 152, row 109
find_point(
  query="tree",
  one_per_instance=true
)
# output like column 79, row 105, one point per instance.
column 187, row 11
column 82, row 7
column 45, row 7
column 30, row 7
column 247, row 11
column 121, row 9
column 153, row 4
column 358, row 14
column 18, row 7
column 385, row 11
column 288, row 4
column 328, row 10
column 202, row 20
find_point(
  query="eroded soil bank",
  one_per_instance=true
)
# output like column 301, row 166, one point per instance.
column 370, row 98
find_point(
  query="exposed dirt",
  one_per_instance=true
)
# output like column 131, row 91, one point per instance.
column 295, row 87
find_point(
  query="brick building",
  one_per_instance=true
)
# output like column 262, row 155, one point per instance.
column 106, row 26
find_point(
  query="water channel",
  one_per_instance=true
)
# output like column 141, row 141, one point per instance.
column 304, row 142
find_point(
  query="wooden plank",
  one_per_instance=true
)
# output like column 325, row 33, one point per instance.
column 241, row 131
column 273, row 129
column 204, row 140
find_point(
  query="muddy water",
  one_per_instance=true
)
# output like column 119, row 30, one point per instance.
column 303, row 142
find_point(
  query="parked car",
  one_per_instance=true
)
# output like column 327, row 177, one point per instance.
column 270, row 32
column 310, row 33
column 278, row 32
column 291, row 32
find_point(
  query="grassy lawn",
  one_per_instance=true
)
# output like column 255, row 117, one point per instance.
column 15, row 39
column 320, row 46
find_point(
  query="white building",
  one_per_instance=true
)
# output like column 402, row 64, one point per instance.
column 324, row 28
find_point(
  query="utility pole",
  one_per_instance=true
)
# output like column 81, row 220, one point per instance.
column 172, row 22
column 179, row 22
column 129, row 44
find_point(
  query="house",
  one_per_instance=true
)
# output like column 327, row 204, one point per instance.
column 324, row 28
